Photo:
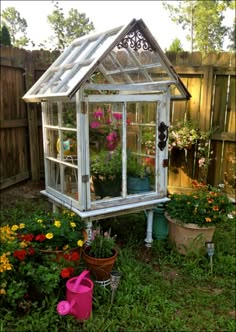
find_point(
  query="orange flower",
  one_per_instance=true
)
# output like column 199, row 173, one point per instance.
column 210, row 200
column 215, row 208
column 208, row 219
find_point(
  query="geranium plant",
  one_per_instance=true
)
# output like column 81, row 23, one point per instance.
column 205, row 206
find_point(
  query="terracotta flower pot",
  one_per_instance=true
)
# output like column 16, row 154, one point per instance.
column 99, row 267
column 188, row 237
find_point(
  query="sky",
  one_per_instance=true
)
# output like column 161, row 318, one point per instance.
column 105, row 15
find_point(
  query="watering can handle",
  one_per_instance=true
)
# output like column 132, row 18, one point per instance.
column 84, row 274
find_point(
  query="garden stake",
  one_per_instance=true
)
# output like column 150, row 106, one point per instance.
column 115, row 280
column 210, row 251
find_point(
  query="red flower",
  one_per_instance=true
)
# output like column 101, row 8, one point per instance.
column 31, row 251
column 26, row 237
column 40, row 238
column 66, row 272
column 20, row 254
column 74, row 256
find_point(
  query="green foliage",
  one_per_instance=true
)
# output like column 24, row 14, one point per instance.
column 175, row 46
column 135, row 167
column 232, row 38
column 106, row 163
column 16, row 26
column 160, row 290
column 204, row 22
column 67, row 29
column 5, row 38
column 203, row 207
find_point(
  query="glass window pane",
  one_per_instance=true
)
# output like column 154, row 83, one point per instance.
column 105, row 132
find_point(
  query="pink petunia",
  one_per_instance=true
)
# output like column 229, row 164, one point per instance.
column 117, row 116
column 95, row 124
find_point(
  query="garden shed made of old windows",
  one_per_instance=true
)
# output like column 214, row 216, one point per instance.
column 105, row 110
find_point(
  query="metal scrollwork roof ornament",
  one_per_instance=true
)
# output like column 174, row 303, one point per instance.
column 136, row 41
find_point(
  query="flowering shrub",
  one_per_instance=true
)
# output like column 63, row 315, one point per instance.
column 205, row 206
column 52, row 231
column 27, row 273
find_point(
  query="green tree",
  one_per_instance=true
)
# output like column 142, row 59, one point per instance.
column 5, row 38
column 16, row 26
column 232, row 38
column 67, row 29
column 203, row 20
column 175, row 46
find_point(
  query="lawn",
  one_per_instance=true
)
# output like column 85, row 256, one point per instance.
column 160, row 290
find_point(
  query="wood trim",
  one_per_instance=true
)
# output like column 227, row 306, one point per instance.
column 13, row 123
column 14, row 179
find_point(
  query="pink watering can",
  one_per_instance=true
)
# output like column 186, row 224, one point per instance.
column 79, row 293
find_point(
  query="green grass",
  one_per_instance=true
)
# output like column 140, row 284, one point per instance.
column 160, row 290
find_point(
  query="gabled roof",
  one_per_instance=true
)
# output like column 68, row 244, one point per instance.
column 125, row 55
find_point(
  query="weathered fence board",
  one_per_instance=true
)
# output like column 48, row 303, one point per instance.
column 211, row 82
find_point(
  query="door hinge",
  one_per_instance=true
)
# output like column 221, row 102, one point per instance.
column 85, row 178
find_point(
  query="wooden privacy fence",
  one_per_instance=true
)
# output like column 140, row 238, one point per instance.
column 211, row 82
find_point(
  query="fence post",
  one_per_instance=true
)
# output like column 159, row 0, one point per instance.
column 34, row 142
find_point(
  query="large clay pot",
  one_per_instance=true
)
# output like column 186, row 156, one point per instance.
column 188, row 237
column 99, row 267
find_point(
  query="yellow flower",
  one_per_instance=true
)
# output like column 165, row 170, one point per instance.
column 65, row 247
column 4, row 263
column 57, row 223
column 72, row 214
column 2, row 291
column 40, row 221
column 73, row 224
column 23, row 244
column 208, row 219
column 80, row 243
column 49, row 236
column 14, row 228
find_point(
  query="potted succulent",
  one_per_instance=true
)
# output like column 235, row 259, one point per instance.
column 138, row 175
column 100, row 255
column 193, row 217
column 105, row 168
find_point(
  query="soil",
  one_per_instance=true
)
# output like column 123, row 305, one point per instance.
column 26, row 190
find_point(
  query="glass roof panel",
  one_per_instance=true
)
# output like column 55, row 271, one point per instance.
column 123, row 55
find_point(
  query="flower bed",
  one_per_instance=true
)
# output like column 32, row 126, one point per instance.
column 36, row 255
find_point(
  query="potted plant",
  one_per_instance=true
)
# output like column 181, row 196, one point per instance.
column 193, row 217
column 106, row 168
column 138, row 175
column 100, row 255
column 53, row 233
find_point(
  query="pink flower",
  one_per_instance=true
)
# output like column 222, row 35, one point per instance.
column 98, row 113
column 117, row 116
column 95, row 124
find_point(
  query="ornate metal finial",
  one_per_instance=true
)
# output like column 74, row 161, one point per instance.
column 162, row 136
column 135, row 40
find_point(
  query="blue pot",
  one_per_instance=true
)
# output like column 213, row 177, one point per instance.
column 137, row 185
